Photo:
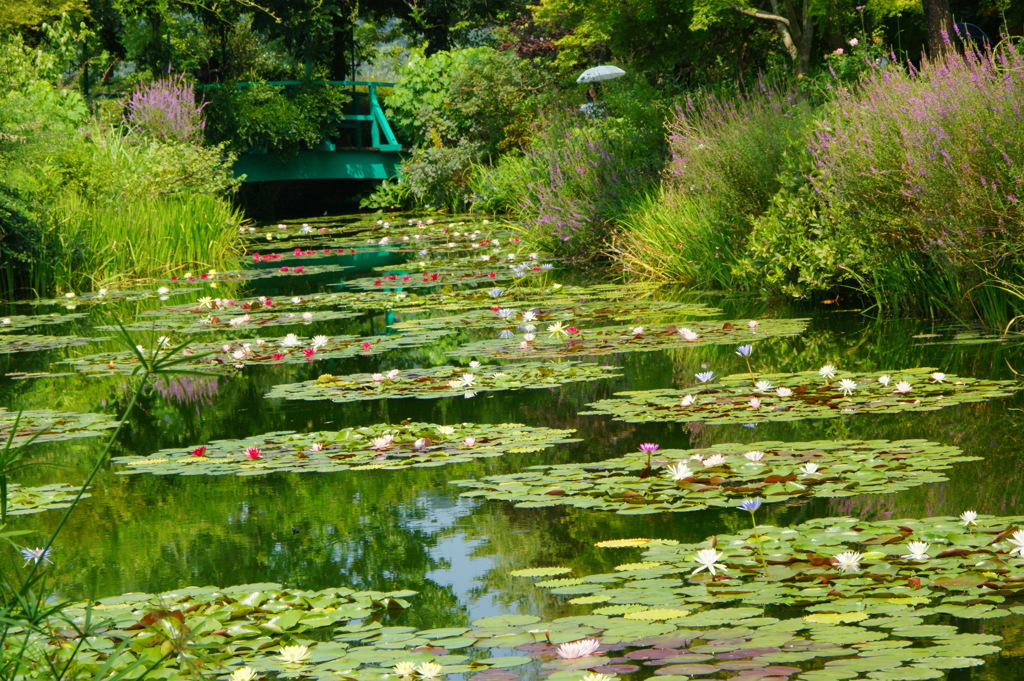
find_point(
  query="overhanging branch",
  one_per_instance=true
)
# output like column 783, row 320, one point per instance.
column 761, row 15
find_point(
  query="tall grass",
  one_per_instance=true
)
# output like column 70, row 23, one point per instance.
column 722, row 173
column 141, row 240
column 929, row 162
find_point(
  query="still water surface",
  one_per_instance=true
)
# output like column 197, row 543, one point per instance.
column 410, row 529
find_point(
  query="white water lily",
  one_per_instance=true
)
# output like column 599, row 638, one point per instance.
column 469, row 442
column 1018, row 543
column 474, row 364
column 392, row 375
column 687, row 334
column 307, row 316
column 884, row 380
column 713, row 460
column 446, row 430
column 206, row 303
column 827, row 372
column 969, row 518
column 238, row 321
column 243, row 674
column 847, row 386
column 753, row 324
column 376, row 378
column 319, row 341
column 290, row 341
column 754, row 456
column 594, row 676
column 455, row 384
column 405, row 668
column 429, row 670
column 637, row 330
column 316, row 447
column 848, row 561
column 784, row 392
column 294, row 654
column 809, row 468
column 762, row 386
column 163, row 290
column 529, row 316
column 679, row 471
column 918, row 551
column 468, row 380
column 708, row 559
column 903, row 387
column 383, row 442
column 938, row 377
column 688, row 400
column 529, row 337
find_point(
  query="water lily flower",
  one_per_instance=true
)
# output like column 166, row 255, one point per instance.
column 594, row 676
column 784, row 392
column 809, row 468
column 884, row 380
column 163, row 290
column 366, row 346
column 206, row 303
column 405, row 668
column 753, row 324
column 296, row 299
column 308, row 352
column 750, row 505
column 762, row 386
column 316, row 447
column 238, row 321
column 705, row 376
column 455, row 384
column 744, row 350
column 827, row 372
column 649, row 448
column 529, row 316
column 307, row 316
column 294, row 654
column 754, row 403
column 199, row 451
column 495, row 292
column 252, row 452
column 754, row 456
column 708, row 559
column 102, row 292
column 847, row 386
column 278, row 355
column 848, row 561
column 969, row 518
column 468, row 380
column 529, row 328
column 446, row 430
column 637, row 330
column 679, row 471
column 557, row 329
column 903, row 387
column 291, row 340
column 528, row 337
column 1018, row 543
column 422, row 443
column 505, row 333
column 319, row 341
column 713, row 460
column 938, row 377
column 36, row 555
column 499, row 374
column 5, row 320
column 918, row 550
column 392, row 375
column 243, row 674
column 577, row 649
column 687, row 334
column 688, row 401
column 505, row 312
column 381, row 443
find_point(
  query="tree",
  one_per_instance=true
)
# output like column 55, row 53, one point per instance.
column 939, row 22
column 792, row 20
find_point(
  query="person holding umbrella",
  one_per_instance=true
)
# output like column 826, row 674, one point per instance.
column 592, row 108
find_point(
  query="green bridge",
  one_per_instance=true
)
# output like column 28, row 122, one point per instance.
column 363, row 148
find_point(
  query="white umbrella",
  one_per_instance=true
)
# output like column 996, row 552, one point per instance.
column 606, row 72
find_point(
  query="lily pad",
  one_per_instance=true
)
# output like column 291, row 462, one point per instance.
column 22, row 322
column 235, row 322
column 24, row 500
column 805, row 395
column 442, row 381
column 388, row 447
column 52, row 426
column 15, row 343
column 721, row 475
column 445, row 277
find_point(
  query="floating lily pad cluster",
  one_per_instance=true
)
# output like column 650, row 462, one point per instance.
column 24, row 500
column 389, row 447
column 22, row 322
column 891, row 574
column 15, row 343
column 444, row 277
column 230, row 321
column 805, row 395
column 236, row 354
column 52, row 426
column 562, row 340
column 442, row 381
column 71, row 301
column 252, row 274
column 719, row 476
column 519, row 315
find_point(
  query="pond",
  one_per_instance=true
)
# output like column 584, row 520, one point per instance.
column 351, row 432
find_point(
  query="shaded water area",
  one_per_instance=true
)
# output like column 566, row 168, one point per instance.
column 410, row 529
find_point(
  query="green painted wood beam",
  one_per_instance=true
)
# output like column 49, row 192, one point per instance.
column 343, row 164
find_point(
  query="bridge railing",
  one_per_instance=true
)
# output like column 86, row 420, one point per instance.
column 366, row 112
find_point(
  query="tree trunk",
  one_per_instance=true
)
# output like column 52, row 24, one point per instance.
column 939, row 21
